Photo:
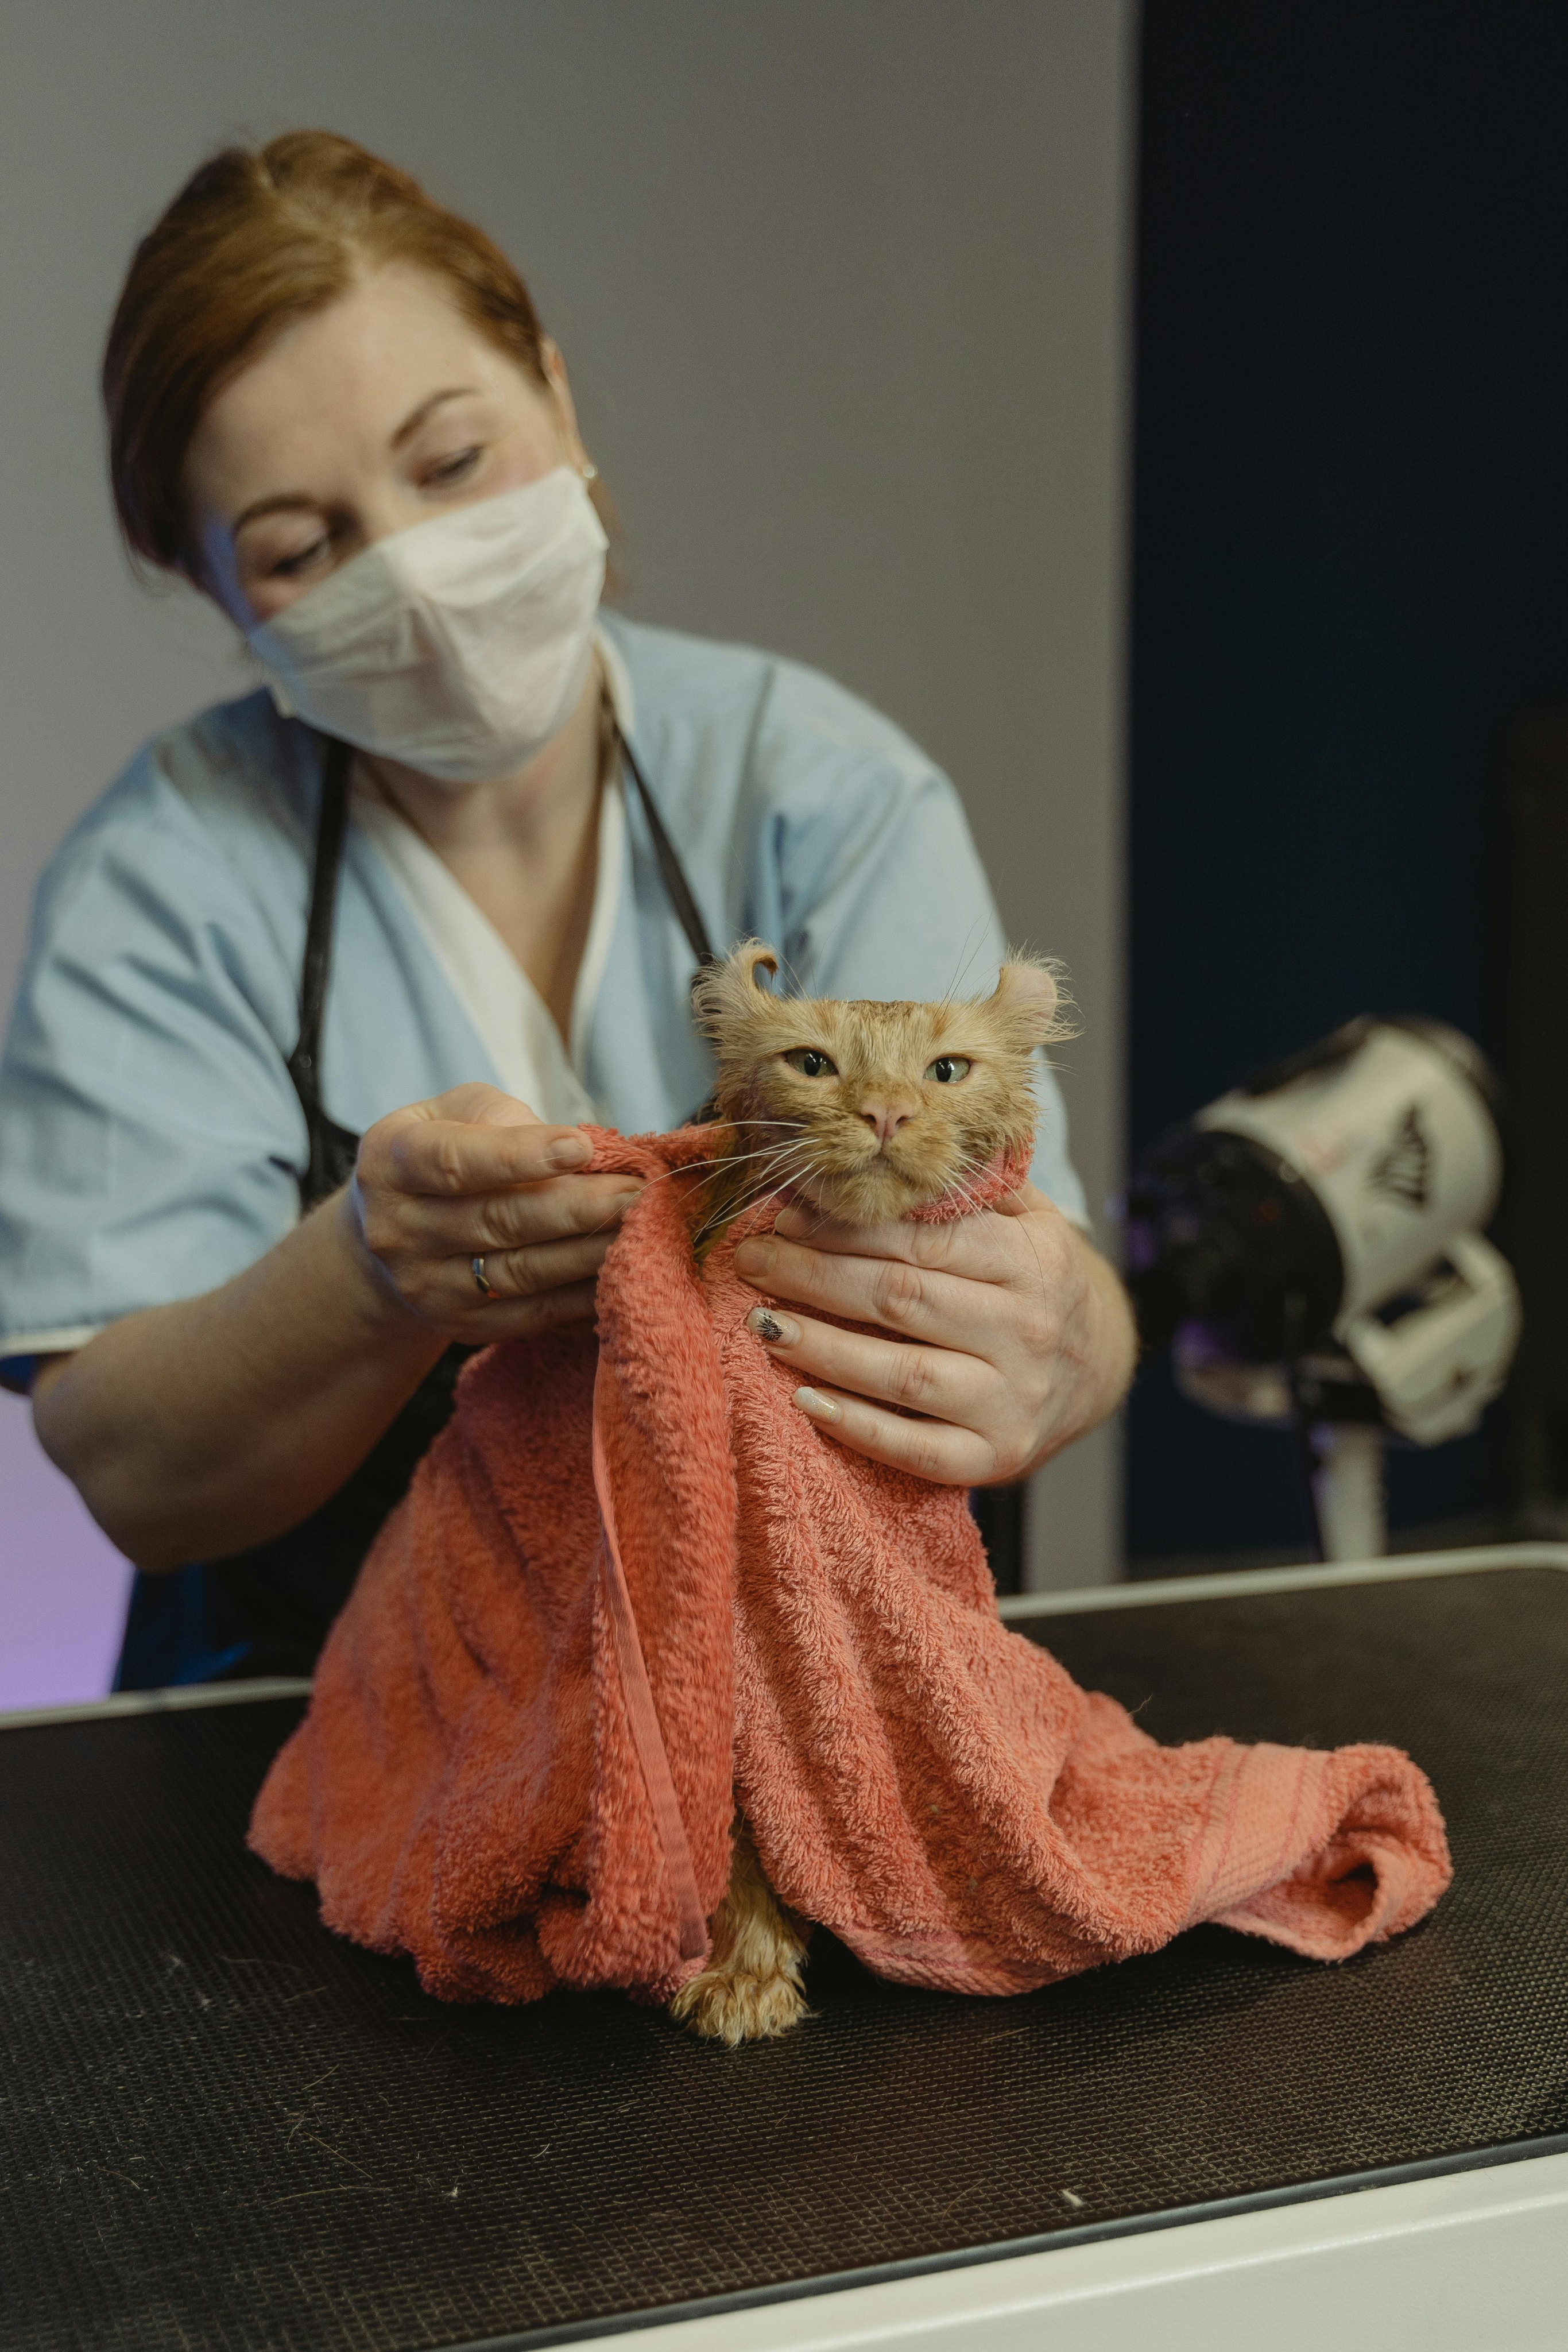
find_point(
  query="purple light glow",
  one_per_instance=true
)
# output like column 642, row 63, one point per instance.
column 63, row 1586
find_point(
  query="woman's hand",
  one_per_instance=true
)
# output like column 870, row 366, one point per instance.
column 1009, row 1335
column 474, row 1174
column 197, row 1429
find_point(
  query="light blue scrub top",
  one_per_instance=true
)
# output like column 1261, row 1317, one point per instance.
column 151, row 1142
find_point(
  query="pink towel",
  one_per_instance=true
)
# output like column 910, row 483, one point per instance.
column 526, row 1745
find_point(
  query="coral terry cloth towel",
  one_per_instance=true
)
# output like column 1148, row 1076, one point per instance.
column 535, row 1718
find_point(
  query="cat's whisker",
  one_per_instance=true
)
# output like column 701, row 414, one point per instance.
column 791, row 1168
column 772, row 1151
column 969, row 1164
column 824, row 1215
column 786, row 967
column 736, row 1158
column 803, row 1176
column 822, row 1155
column 972, row 1165
column 648, row 1184
column 1039, row 1262
column 731, row 1212
column 724, row 1159
column 775, row 1156
column 951, row 991
column 787, row 1171
column 763, row 1176
column 770, row 1178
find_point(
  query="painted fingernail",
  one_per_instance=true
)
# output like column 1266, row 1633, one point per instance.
column 569, row 1152
column 820, row 1408
column 754, row 1259
column 777, row 1329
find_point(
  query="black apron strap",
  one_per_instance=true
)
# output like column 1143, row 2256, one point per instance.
column 670, row 866
column 331, row 1147
column 267, row 1611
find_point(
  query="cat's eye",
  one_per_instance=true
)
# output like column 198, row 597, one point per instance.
column 810, row 1064
column 947, row 1068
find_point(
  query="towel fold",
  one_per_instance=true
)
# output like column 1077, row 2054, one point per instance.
column 533, row 1720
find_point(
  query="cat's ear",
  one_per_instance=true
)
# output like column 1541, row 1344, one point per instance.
column 727, row 992
column 1032, row 996
column 752, row 956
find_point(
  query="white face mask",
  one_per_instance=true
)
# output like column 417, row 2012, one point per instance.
column 459, row 645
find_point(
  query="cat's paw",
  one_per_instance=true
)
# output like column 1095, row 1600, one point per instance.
column 733, row 2005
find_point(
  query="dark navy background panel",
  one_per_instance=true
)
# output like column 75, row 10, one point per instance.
column 1350, row 572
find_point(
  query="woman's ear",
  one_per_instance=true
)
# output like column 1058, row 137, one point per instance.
column 565, row 407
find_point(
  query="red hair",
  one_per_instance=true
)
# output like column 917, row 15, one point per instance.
column 253, row 241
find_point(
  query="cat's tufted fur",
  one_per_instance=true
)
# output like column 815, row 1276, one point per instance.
column 911, row 1102
column 869, row 1110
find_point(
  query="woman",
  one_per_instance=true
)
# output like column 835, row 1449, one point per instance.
column 370, row 945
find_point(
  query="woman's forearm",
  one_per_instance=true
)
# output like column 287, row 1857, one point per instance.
column 196, row 1430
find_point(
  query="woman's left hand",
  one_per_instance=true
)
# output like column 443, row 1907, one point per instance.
column 1008, row 1335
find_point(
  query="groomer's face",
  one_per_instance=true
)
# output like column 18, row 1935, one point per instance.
column 362, row 419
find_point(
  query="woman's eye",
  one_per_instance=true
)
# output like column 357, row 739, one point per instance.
column 289, row 567
column 947, row 1068
column 810, row 1064
column 449, row 471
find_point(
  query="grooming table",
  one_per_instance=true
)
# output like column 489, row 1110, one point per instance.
column 225, row 2128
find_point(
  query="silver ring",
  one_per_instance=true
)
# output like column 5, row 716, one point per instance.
column 480, row 1283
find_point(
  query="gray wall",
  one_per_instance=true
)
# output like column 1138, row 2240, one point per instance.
column 841, row 287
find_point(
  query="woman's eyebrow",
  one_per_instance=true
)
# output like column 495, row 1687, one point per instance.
column 281, row 502
column 412, row 423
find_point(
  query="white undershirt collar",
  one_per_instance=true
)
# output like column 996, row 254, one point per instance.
column 513, row 1022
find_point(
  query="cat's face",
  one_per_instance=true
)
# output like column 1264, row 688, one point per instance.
column 875, row 1110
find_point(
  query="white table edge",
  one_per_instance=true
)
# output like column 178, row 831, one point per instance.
column 1447, row 2229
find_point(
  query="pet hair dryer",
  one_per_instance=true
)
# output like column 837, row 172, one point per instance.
column 1311, row 1247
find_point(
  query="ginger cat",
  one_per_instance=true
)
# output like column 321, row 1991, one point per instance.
column 868, row 1112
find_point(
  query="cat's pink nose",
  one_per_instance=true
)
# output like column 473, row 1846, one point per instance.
column 885, row 1120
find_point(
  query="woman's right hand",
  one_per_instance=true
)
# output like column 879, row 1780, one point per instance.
column 474, row 1174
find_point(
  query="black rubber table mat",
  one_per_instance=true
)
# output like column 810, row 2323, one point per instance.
column 228, row 2130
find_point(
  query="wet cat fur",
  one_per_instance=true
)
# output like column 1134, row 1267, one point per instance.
column 883, row 1128
column 867, row 1109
